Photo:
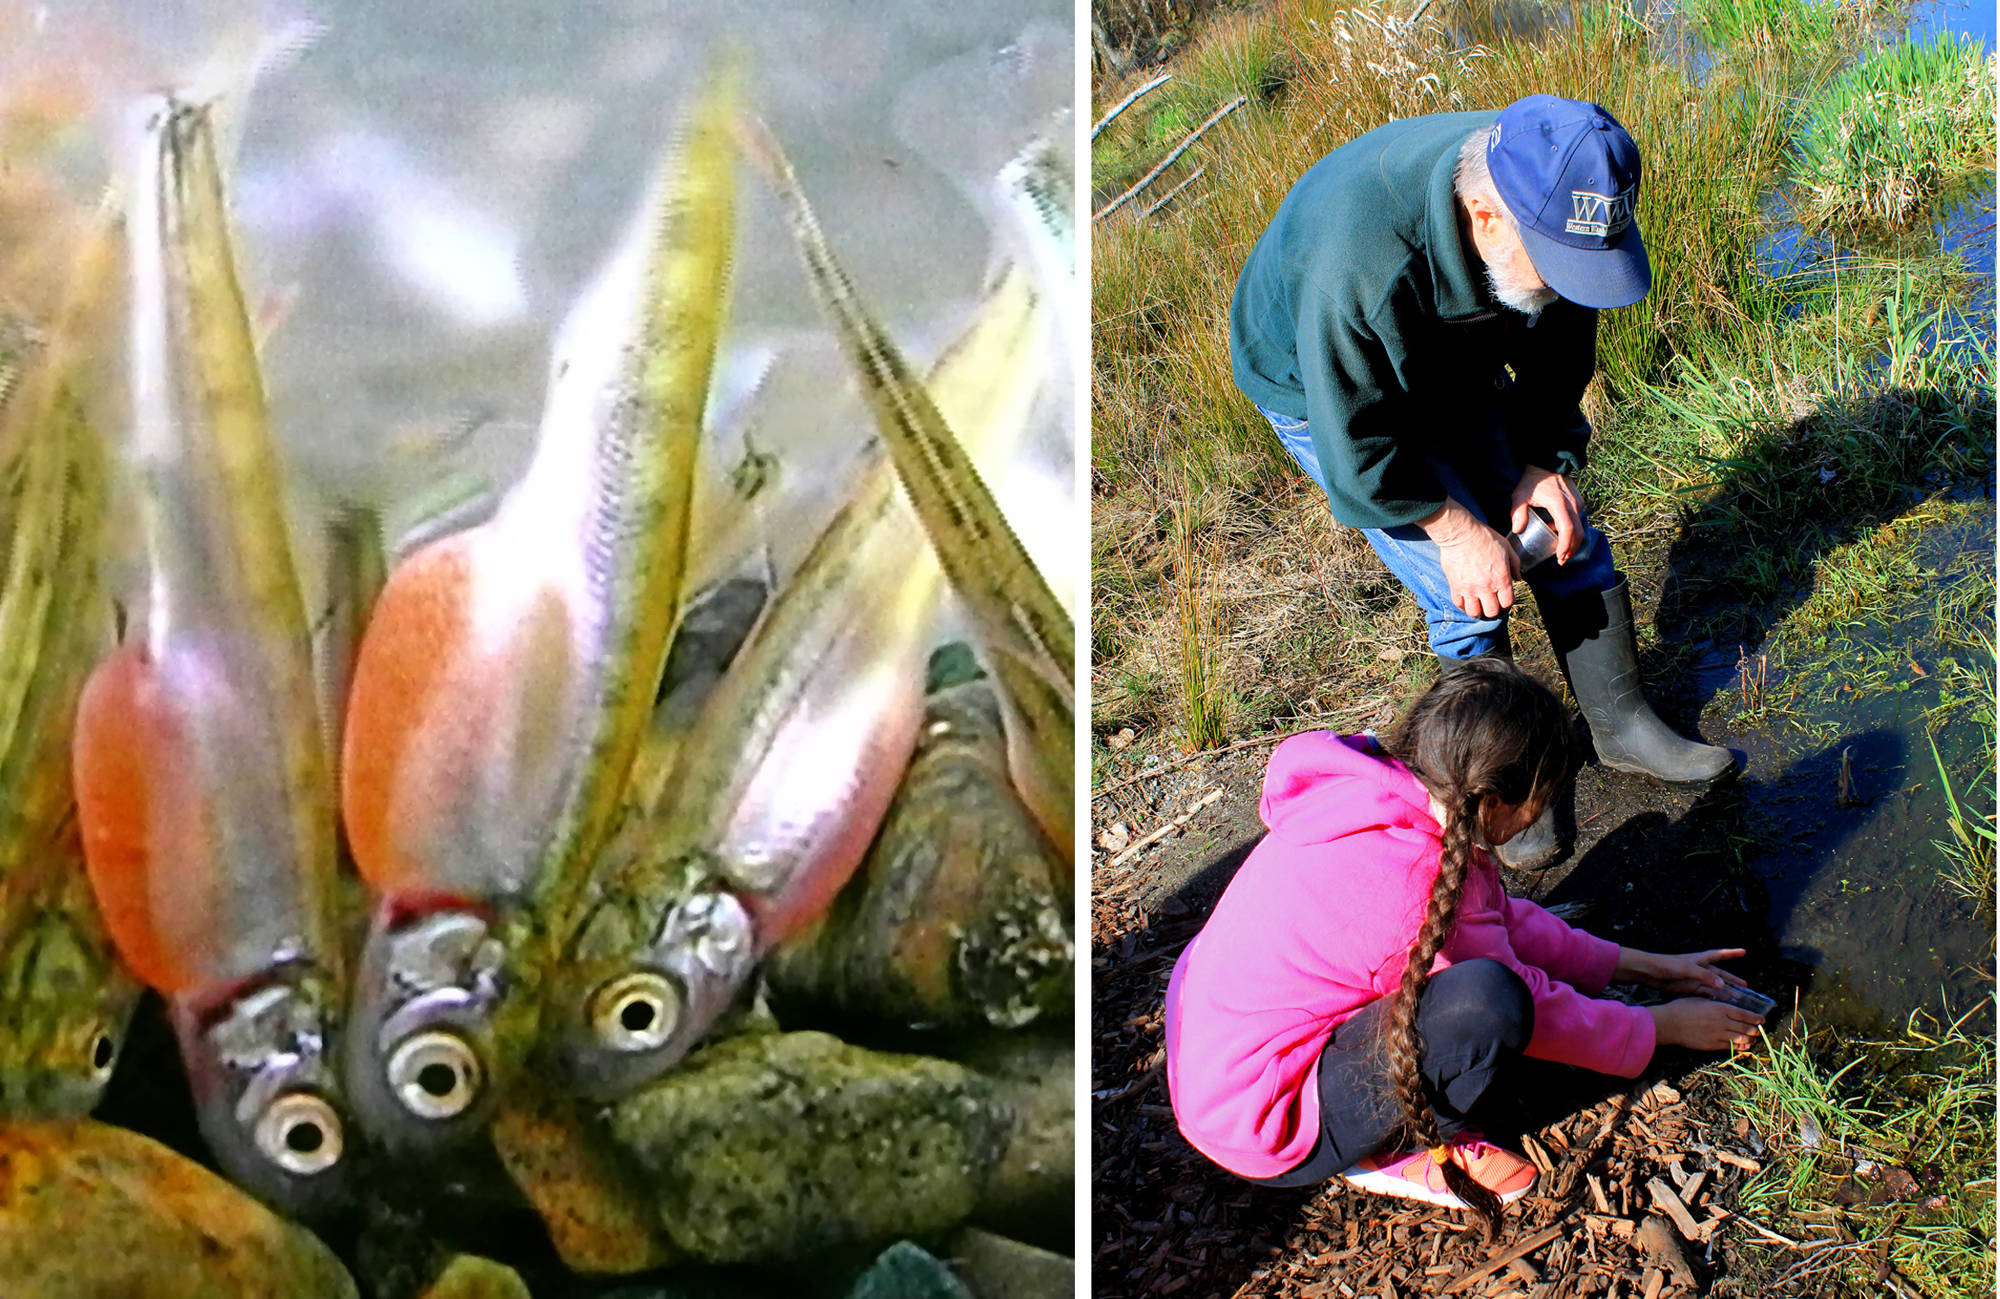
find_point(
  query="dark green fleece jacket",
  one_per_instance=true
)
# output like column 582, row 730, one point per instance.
column 1364, row 311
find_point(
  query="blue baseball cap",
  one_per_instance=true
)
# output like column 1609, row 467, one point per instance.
column 1570, row 175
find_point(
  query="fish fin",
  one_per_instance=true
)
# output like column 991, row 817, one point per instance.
column 991, row 571
column 226, row 78
column 123, row 754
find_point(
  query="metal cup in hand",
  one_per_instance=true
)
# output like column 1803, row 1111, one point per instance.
column 1534, row 543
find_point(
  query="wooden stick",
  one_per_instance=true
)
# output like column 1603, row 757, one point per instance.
column 1180, row 762
column 1166, row 829
column 1117, row 1094
column 1768, row 1234
column 1128, row 101
column 1168, row 197
column 1670, row 1204
column 1168, row 161
column 1522, row 1250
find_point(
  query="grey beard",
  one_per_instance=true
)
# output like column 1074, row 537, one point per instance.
column 1529, row 302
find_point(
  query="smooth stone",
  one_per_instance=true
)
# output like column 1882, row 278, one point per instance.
column 994, row 1267
column 905, row 1271
column 951, row 664
column 468, row 1276
column 776, row 1147
column 713, row 626
column 956, row 917
column 89, row 1211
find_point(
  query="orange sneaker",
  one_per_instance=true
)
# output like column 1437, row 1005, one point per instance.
column 1418, row 1177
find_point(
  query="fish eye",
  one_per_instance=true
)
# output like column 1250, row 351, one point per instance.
column 300, row 1133
column 103, row 1054
column 435, row 1075
column 637, row 1012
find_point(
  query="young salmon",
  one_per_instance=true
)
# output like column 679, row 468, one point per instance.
column 201, row 778
column 783, row 777
column 509, row 670
column 64, row 997
column 1025, row 637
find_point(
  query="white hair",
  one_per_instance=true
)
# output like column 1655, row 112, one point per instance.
column 1472, row 177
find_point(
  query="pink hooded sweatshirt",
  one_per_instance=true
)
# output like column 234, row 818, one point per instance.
column 1318, row 922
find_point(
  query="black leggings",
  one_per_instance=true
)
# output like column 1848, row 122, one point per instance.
column 1473, row 1019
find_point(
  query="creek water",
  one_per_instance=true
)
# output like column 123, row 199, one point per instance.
column 1841, row 885
column 1846, row 898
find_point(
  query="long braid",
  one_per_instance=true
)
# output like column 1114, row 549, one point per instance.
column 1486, row 733
column 1402, row 1048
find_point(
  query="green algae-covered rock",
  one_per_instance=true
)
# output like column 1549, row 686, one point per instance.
column 956, row 918
column 994, row 1267
column 905, row 1271
column 1033, row 1185
column 769, row 1148
column 599, row 1215
column 951, row 665
column 89, row 1211
column 468, row 1276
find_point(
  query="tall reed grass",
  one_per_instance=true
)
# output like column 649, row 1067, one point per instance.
column 1197, row 562
column 1893, row 131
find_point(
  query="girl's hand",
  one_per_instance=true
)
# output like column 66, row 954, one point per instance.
column 1703, row 1025
column 1689, row 975
column 1695, row 973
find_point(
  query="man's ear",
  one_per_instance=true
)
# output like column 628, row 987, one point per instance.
column 1486, row 218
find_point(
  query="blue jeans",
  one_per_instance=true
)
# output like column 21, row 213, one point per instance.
column 1481, row 477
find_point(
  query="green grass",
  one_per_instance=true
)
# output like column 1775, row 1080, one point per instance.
column 1733, row 24
column 1969, row 851
column 1794, row 486
column 1843, row 1123
column 1886, row 138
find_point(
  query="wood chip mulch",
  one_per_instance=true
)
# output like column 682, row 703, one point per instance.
column 1633, row 1200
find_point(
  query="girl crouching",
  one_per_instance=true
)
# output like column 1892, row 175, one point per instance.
column 1365, row 977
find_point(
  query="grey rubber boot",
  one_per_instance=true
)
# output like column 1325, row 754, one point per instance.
column 1592, row 636
column 1536, row 846
column 1533, row 848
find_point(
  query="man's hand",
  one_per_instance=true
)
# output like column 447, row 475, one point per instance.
column 1554, row 493
column 1691, row 975
column 1476, row 560
column 1703, row 1025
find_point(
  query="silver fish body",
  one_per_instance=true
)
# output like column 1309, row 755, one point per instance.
column 505, row 681
column 787, row 771
column 203, row 791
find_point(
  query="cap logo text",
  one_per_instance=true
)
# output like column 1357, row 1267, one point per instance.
column 1601, row 215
